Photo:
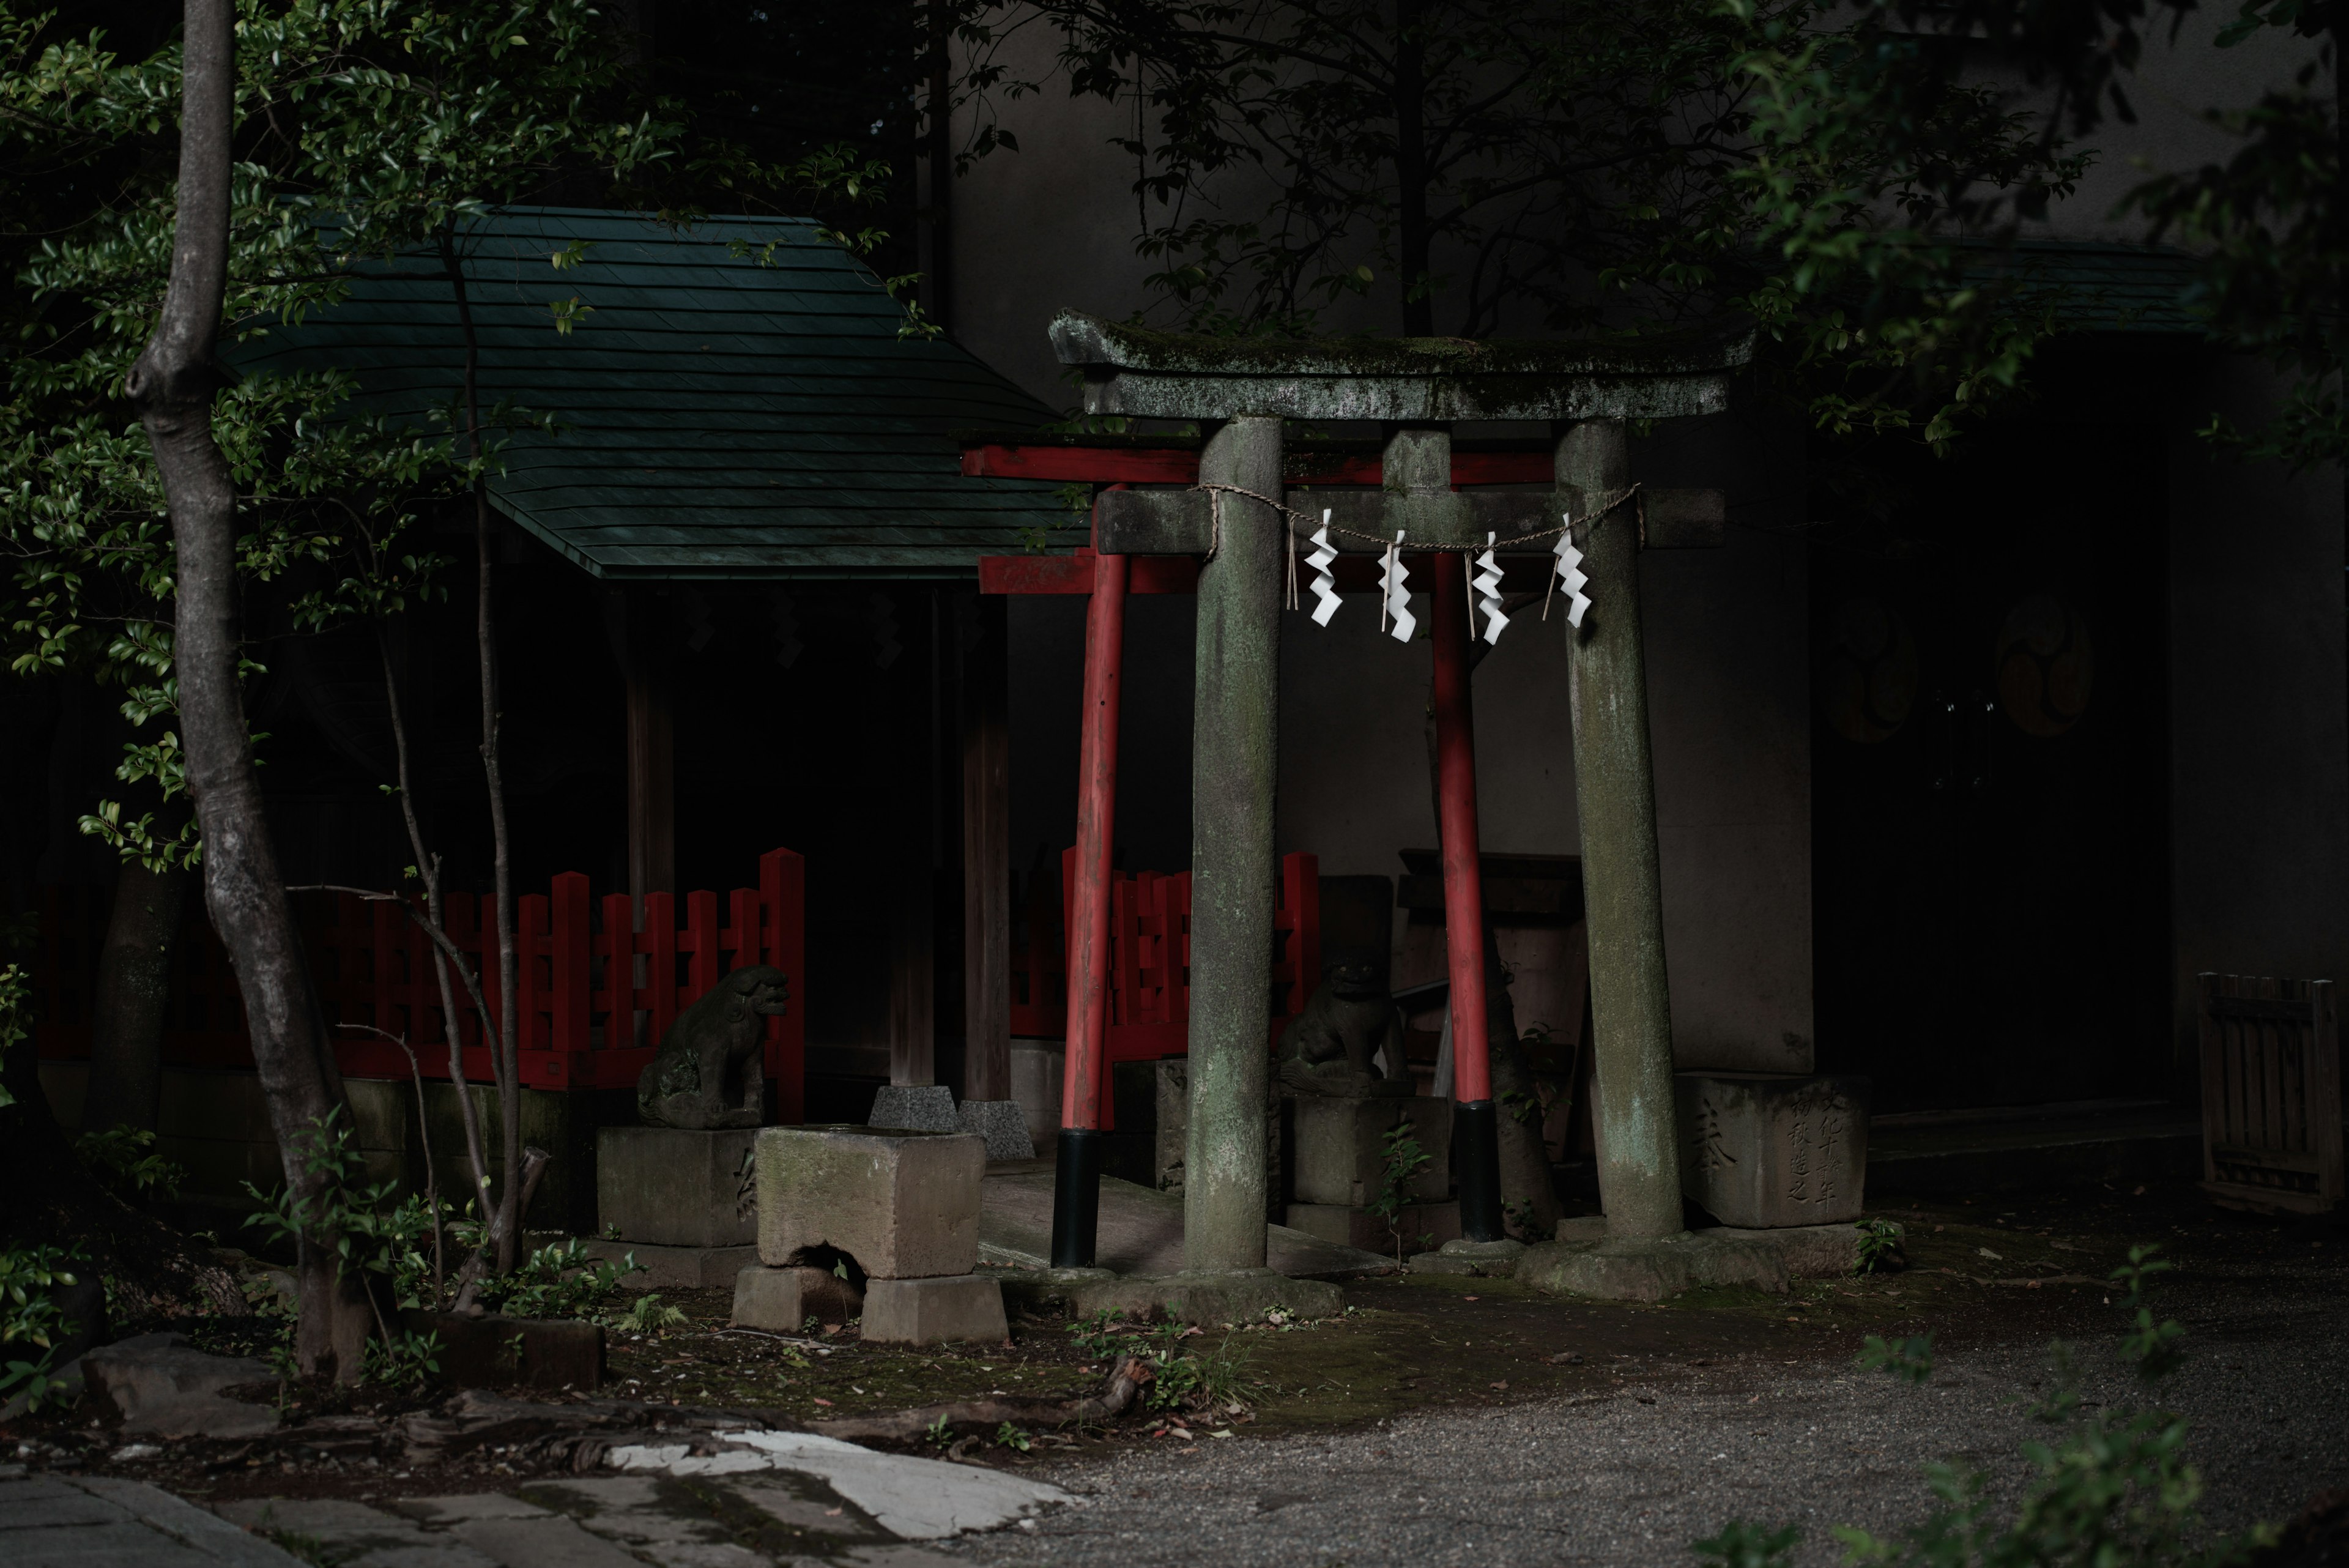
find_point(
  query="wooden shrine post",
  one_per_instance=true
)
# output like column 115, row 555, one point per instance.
column 986, row 847
column 1419, row 390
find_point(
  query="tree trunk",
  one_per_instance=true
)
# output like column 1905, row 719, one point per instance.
column 171, row 388
column 1413, row 247
column 134, row 971
column 507, row 1221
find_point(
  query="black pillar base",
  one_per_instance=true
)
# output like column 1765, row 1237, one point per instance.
column 1476, row 1152
column 1076, row 1198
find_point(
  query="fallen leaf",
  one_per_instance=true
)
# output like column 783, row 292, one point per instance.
column 1986, row 1253
column 1565, row 1358
column 1501, row 1387
column 831, row 1512
column 1467, row 1298
column 1226, row 1433
column 825, row 1402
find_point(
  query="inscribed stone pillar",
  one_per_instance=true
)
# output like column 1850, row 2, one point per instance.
column 1630, row 1003
column 1232, row 868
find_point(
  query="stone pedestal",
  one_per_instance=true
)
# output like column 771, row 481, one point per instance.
column 1036, row 1068
column 923, row 1107
column 680, row 1199
column 780, row 1300
column 935, row 1310
column 1765, row 1150
column 1001, row 1123
column 1423, row 1225
column 904, row 1205
column 1340, row 1148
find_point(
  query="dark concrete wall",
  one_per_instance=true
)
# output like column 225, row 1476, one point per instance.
column 2259, row 706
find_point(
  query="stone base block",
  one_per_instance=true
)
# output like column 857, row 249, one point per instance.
column 925, row 1107
column 676, row 1187
column 1764, row 1150
column 678, row 1268
column 1485, row 1260
column 1339, row 1147
column 1036, row 1067
column 1420, row 1224
column 495, row 1352
column 904, row 1205
column 1001, row 1123
column 1653, row 1269
column 1208, row 1298
column 780, row 1300
column 935, row 1310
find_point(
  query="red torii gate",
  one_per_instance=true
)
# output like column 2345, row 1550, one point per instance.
column 1117, row 462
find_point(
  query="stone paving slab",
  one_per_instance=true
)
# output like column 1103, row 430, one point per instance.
column 56, row 1521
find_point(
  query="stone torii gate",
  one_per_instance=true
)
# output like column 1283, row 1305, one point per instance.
column 1234, row 522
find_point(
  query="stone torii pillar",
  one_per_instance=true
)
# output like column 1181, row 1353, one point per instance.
column 1241, row 390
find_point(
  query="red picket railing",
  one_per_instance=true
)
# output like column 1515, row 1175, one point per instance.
column 592, row 996
column 1150, row 958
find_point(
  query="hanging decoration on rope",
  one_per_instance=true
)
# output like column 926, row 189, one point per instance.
column 1398, row 621
column 1571, row 577
column 1488, row 586
column 1325, row 583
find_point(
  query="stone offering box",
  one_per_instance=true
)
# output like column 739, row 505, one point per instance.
column 905, row 1205
column 1763, row 1151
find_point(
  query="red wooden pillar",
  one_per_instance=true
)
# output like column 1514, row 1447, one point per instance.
column 1476, row 1124
column 1077, row 1190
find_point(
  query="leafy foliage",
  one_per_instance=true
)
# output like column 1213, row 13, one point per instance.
column 1184, row 1377
column 2113, row 1489
column 1400, row 1159
column 1879, row 1249
column 30, row 1318
column 125, row 1160
column 649, row 1314
column 1480, row 166
column 13, row 986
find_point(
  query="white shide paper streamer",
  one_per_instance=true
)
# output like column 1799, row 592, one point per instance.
column 1325, row 586
column 1570, row 574
column 1488, row 587
column 1401, row 622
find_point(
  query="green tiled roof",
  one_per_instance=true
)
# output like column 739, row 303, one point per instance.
column 722, row 417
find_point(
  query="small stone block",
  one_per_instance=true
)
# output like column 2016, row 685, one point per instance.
column 1001, row 1123
column 1442, row 1263
column 1506, row 1250
column 935, row 1310
column 905, row 1205
column 915, row 1107
column 1765, row 1150
column 676, row 1268
column 1341, row 1155
column 1420, row 1224
column 493, row 1350
column 677, row 1187
column 781, row 1299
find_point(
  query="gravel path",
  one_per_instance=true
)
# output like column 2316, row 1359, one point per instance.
column 1631, row 1476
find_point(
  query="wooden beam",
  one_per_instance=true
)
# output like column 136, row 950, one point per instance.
column 652, row 790
column 984, row 667
column 909, row 690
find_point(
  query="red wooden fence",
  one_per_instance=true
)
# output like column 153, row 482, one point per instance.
column 582, row 1007
column 1150, row 958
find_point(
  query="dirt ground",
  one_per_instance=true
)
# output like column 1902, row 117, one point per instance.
column 1986, row 1277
